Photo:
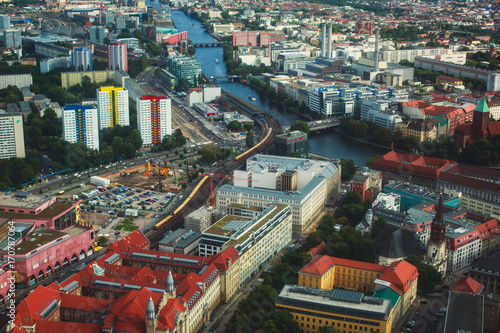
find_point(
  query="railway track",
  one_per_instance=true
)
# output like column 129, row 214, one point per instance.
column 201, row 197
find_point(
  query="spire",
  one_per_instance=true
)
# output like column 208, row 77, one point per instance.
column 439, row 209
column 170, row 282
column 438, row 226
column 151, row 309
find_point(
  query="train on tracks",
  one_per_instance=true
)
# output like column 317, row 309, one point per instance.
column 186, row 202
column 154, row 234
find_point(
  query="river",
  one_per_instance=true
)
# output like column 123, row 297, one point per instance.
column 330, row 144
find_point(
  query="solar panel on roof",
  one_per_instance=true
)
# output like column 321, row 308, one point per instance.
column 347, row 296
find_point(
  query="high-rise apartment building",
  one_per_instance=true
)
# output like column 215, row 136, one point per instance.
column 117, row 57
column 12, row 38
column 81, row 59
column 80, row 125
column 154, row 118
column 4, row 22
column 112, row 107
column 97, row 34
column 11, row 135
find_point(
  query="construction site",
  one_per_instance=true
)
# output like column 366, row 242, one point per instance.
column 152, row 176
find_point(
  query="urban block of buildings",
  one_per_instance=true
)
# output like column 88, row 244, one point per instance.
column 306, row 185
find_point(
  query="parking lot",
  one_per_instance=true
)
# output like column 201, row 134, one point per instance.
column 126, row 197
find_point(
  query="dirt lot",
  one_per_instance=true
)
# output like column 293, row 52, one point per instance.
column 138, row 176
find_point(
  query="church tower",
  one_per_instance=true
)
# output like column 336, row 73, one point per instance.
column 151, row 320
column 170, row 291
column 480, row 119
column 436, row 248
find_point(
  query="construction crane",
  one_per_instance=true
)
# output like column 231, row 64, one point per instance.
column 212, row 175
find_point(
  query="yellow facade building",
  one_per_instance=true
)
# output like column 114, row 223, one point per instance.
column 346, row 311
column 69, row 79
column 325, row 272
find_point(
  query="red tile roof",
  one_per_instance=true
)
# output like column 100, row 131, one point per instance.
column 322, row 264
column 31, row 308
column 318, row 266
column 489, row 228
column 84, row 303
column 412, row 164
column 467, row 285
column 315, row 251
column 45, row 326
column 167, row 319
column 135, row 240
column 400, row 273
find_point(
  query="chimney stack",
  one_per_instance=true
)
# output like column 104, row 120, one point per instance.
column 323, row 40
column 329, row 49
column 375, row 56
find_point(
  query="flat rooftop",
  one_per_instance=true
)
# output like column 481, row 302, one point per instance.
column 180, row 238
column 460, row 318
column 55, row 209
column 240, row 206
column 37, row 238
column 22, row 199
column 335, row 302
column 237, row 229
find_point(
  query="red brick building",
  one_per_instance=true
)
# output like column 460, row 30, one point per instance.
column 256, row 38
column 117, row 297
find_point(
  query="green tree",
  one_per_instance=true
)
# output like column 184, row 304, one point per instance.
column 348, row 169
column 210, row 154
column 249, row 139
column 234, row 126
column 429, row 277
column 300, row 125
column 378, row 225
column 248, row 126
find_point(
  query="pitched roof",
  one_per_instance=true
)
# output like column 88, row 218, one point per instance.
column 388, row 293
column 84, row 303
column 318, row 266
column 321, row 264
column 401, row 273
column 31, row 309
column 482, row 106
column 315, row 251
column 135, row 240
column 46, row 326
column 394, row 242
column 467, row 285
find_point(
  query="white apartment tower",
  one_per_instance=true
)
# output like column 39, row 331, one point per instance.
column 117, row 57
column 11, row 135
column 112, row 107
column 154, row 118
column 80, row 124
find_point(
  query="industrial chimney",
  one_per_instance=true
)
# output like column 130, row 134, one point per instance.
column 329, row 55
column 375, row 56
column 323, row 40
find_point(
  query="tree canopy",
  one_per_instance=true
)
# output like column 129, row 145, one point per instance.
column 300, row 125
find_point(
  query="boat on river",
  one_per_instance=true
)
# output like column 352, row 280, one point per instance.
column 216, row 61
column 250, row 97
